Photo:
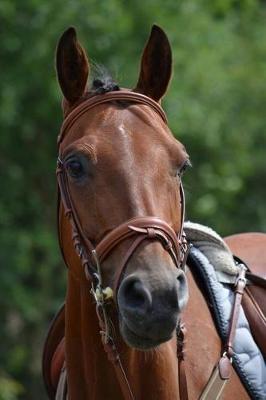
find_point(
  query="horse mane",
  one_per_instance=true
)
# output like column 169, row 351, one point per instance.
column 102, row 81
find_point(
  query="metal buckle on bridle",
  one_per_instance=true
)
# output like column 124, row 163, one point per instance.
column 100, row 294
column 227, row 354
column 184, row 251
column 241, row 274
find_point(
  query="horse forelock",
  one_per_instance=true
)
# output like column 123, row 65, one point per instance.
column 102, row 80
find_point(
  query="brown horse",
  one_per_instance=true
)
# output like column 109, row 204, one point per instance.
column 119, row 162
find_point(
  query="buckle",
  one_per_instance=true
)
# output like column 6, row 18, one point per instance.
column 241, row 275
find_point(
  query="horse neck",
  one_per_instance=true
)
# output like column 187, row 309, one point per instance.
column 88, row 370
column 90, row 374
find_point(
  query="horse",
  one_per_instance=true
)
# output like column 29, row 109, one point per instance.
column 120, row 223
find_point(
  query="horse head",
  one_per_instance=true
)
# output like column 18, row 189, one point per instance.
column 120, row 178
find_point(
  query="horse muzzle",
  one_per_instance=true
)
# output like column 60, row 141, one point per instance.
column 149, row 309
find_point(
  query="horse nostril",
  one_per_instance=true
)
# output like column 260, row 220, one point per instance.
column 134, row 295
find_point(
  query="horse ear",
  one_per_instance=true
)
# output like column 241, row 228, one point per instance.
column 156, row 65
column 72, row 66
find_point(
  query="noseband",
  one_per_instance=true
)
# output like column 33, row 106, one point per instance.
column 137, row 229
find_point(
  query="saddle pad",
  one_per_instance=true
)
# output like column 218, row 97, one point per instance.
column 247, row 359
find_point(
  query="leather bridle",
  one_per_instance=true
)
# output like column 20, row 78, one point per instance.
column 138, row 229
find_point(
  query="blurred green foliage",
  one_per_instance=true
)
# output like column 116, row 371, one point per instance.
column 216, row 107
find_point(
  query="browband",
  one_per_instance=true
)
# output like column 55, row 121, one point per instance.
column 120, row 95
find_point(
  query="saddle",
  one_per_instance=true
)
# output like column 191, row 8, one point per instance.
column 249, row 247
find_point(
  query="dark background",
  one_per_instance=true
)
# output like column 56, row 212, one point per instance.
column 216, row 107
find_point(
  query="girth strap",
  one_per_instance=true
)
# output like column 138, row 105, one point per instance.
column 222, row 372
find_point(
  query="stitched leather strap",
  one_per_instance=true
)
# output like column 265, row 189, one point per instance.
column 115, row 359
column 256, row 279
column 222, row 372
column 182, row 379
column 239, row 290
column 121, row 95
column 151, row 227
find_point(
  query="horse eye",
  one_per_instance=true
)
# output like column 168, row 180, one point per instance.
column 183, row 168
column 75, row 169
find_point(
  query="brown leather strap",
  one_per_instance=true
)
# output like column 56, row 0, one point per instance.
column 93, row 101
column 239, row 290
column 222, row 372
column 182, row 379
column 142, row 226
column 216, row 384
column 115, row 359
column 256, row 279
column 80, row 241
column 254, row 307
column 121, row 269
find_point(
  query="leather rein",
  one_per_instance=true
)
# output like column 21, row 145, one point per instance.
column 137, row 229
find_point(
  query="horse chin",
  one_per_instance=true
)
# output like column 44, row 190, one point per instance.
column 140, row 342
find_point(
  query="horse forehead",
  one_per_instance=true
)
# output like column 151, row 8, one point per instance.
column 125, row 129
column 127, row 119
column 136, row 125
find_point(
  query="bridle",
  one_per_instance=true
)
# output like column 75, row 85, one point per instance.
column 137, row 229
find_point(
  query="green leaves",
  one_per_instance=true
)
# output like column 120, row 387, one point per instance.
column 9, row 388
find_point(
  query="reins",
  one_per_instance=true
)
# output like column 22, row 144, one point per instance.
column 138, row 229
